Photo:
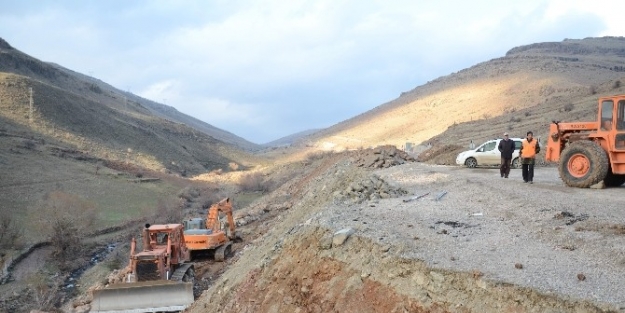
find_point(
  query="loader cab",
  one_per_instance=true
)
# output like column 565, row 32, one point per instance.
column 612, row 121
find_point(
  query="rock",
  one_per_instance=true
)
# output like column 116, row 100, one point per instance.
column 341, row 235
column 599, row 185
column 581, row 277
column 518, row 266
column 325, row 243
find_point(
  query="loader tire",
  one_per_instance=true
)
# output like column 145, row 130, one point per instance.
column 613, row 180
column 583, row 164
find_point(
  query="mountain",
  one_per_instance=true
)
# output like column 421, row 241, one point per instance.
column 523, row 90
column 290, row 139
column 87, row 114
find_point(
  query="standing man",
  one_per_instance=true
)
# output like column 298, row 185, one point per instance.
column 506, row 147
column 528, row 152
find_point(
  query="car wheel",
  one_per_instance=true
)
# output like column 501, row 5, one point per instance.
column 516, row 163
column 471, row 163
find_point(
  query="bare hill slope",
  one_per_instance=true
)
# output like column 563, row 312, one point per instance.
column 526, row 88
column 93, row 116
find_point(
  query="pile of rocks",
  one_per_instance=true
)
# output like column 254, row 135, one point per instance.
column 382, row 157
column 371, row 188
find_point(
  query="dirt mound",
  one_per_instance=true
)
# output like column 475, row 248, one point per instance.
column 441, row 154
column 371, row 188
column 382, row 157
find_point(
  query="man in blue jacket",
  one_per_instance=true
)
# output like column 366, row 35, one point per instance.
column 506, row 147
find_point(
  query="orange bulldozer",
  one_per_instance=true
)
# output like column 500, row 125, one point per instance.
column 210, row 235
column 160, row 277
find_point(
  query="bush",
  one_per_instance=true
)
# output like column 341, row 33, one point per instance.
column 569, row 107
column 253, row 182
column 29, row 144
column 317, row 155
column 10, row 233
column 118, row 258
column 66, row 219
column 617, row 84
column 168, row 210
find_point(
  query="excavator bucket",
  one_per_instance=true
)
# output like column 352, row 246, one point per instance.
column 148, row 296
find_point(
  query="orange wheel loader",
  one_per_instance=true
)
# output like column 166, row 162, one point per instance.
column 159, row 278
column 209, row 235
column 591, row 152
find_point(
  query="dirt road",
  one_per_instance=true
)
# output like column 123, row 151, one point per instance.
column 489, row 245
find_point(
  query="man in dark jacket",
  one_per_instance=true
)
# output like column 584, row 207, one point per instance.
column 506, row 147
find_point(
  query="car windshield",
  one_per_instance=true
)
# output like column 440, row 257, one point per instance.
column 489, row 146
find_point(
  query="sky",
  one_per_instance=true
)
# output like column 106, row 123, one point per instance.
column 266, row 69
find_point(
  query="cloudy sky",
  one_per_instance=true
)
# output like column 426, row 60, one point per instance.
column 266, row 69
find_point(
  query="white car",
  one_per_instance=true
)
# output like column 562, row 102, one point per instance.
column 487, row 154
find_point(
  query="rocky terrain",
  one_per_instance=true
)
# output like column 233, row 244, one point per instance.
column 487, row 244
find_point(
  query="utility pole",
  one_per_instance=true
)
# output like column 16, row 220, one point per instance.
column 30, row 111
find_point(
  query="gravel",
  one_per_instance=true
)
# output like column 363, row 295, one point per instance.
column 558, row 240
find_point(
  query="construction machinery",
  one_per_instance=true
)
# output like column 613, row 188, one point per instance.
column 160, row 277
column 591, row 152
column 210, row 235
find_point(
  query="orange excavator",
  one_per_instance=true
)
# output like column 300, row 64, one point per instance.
column 160, row 277
column 591, row 152
column 210, row 235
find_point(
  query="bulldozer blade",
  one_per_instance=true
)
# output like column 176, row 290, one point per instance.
column 149, row 296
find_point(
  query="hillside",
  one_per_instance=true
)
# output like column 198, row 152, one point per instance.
column 523, row 90
column 93, row 116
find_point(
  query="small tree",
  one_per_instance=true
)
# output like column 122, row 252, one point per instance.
column 10, row 233
column 168, row 210
column 66, row 219
column 252, row 182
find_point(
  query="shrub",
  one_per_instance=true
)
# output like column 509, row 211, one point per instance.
column 253, row 182
column 66, row 219
column 117, row 259
column 569, row 107
column 617, row 84
column 527, row 113
column 29, row 144
column 168, row 210
column 10, row 233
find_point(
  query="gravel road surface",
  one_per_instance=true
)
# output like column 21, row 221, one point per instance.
column 558, row 240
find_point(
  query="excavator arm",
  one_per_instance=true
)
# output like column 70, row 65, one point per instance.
column 212, row 221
